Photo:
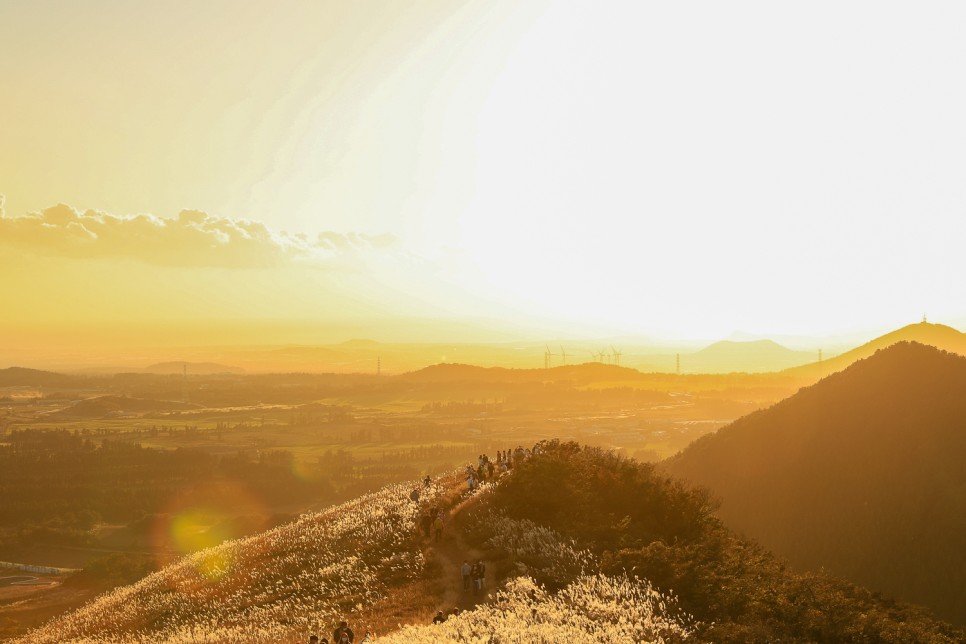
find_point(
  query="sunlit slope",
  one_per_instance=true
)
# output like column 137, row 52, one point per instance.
column 936, row 335
column 861, row 474
column 363, row 561
column 273, row 587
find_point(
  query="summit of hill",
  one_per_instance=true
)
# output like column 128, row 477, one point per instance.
column 936, row 335
column 860, row 474
column 580, row 545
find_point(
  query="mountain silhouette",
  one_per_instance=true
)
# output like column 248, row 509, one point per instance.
column 23, row 377
column 937, row 335
column 860, row 474
column 752, row 357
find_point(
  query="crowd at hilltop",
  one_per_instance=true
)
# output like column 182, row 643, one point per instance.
column 487, row 469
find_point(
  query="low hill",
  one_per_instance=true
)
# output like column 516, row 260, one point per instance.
column 22, row 377
column 860, row 474
column 580, row 546
column 750, row 357
column 935, row 335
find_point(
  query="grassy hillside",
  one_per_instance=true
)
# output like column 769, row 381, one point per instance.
column 861, row 474
column 581, row 546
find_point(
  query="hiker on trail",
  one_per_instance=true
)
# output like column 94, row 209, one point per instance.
column 313, row 639
column 366, row 638
column 414, row 495
column 474, row 573
column 433, row 513
column 426, row 522
column 438, row 524
column 465, row 571
column 481, row 473
column 342, row 633
column 439, row 618
column 480, row 577
column 490, row 468
column 454, row 612
column 427, row 481
column 470, row 482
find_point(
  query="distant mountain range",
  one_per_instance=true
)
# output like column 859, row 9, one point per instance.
column 861, row 474
column 511, row 363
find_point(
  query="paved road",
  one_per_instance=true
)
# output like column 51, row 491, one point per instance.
column 20, row 579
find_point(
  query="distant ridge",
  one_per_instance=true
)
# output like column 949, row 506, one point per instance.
column 937, row 335
column 23, row 377
column 754, row 356
column 589, row 371
column 204, row 368
column 861, row 474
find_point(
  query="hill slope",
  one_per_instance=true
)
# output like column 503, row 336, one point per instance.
column 20, row 377
column 935, row 335
column 861, row 474
column 581, row 546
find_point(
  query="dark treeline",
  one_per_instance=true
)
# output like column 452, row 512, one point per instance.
column 56, row 484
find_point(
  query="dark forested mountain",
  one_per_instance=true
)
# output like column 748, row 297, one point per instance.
column 861, row 474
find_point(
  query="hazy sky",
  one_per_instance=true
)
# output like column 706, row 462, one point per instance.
column 682, row 168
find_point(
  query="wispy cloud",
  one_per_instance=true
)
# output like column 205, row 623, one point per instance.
column 194, row 238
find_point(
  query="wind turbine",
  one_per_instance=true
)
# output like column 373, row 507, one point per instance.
column 563, row 354
column 546, row 358
column 617, row 355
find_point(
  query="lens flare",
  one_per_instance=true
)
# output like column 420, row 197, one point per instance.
column 202, row 517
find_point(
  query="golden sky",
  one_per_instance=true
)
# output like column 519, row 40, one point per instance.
column 676, row 169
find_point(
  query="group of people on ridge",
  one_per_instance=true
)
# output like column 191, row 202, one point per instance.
column 487, row 469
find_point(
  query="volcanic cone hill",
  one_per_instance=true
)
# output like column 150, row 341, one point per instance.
column 581, row 545
column 935, row 335
column 861, row 474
